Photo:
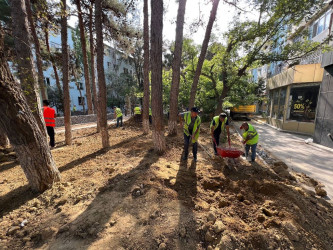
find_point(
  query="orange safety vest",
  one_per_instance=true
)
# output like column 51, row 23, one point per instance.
column 49, row 117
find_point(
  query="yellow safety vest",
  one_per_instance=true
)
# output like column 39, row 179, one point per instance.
column 149, row 111
column 137, row 111
column 118, row 112
column 253, row 134
column 187, row 122
column 217, row 120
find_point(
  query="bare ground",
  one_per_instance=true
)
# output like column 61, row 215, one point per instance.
column 129, row 197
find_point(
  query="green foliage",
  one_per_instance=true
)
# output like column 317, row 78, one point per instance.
column 120, row 86
column 55, row 98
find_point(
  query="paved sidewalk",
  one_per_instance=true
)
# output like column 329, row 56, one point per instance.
column 87, row 125
column 312, row 159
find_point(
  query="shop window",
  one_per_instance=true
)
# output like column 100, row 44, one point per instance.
column 269, row 103
column 303, row 103
column 275, row 103
column 282, row 101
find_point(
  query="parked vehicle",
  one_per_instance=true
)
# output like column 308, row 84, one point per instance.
column 244, row 111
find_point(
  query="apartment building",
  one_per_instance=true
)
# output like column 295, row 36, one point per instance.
column 114, row 62
column 295, row 92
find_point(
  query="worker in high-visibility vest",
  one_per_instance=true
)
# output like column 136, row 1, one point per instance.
column 137, row 114
column 49, row 118
column 118, row 115
column 218, row 125
column 191, row 127
column 250, row 139
column 150, row 116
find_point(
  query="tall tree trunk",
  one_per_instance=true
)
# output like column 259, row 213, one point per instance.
column 19, row 124
column 221, row 98
column 177, row 56
column 55, row 71
column 156, row 73
column 37, row 50
column 92, row 64
column 4, row 142
column 85, row 60
column 146, row 94
column 203, row 52
column 101, row 76
column 24, row 59
column 65, row 75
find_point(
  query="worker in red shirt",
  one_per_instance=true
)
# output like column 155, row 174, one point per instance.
column 49, row 118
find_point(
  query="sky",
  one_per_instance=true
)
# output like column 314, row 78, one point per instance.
column 195, row 10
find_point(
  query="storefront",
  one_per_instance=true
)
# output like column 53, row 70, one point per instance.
column 293, row 97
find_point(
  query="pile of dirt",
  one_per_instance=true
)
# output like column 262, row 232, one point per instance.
column 129, row 197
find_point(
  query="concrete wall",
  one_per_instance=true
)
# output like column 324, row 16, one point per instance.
column 306, row 73
column 324, row 115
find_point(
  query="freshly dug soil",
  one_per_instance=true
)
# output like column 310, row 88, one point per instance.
column 129, row 197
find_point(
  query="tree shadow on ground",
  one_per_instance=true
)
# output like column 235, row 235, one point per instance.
column 15, row 199
column 81, row 160
column 8, row 165
column 106, row 202
column 21, row 195
column 186, row 187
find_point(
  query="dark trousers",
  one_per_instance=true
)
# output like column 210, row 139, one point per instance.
column 121, row 121
column 50, row 132
column 217, row 139
column 253, row 151
column 150, row 120
column 187, row 140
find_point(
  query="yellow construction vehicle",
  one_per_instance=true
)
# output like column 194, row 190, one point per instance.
column 243, row 111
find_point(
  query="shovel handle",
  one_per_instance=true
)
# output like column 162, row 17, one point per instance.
column 214, row 141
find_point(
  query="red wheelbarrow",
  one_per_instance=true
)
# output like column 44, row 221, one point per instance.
column 228, row 152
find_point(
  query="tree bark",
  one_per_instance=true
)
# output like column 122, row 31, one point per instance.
column 85, row 60
column 55, row 71
column 92, row 57
column 101, row 75
column 146, row 94
column 4, row 142
column 174, row 92
column 65, row 75
column 24, row 58
column 221, row 98
column 37, row 51
column 19, row 124
column 92, row 63
column 156, row 74
column 203, row 52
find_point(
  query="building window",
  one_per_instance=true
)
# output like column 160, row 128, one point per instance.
column 81, row 100
column 115, row 67
column 125, row 70
column 109, row 65
column 80, row 85
column 322, row 24
column 47, row 81
column 303, row 103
